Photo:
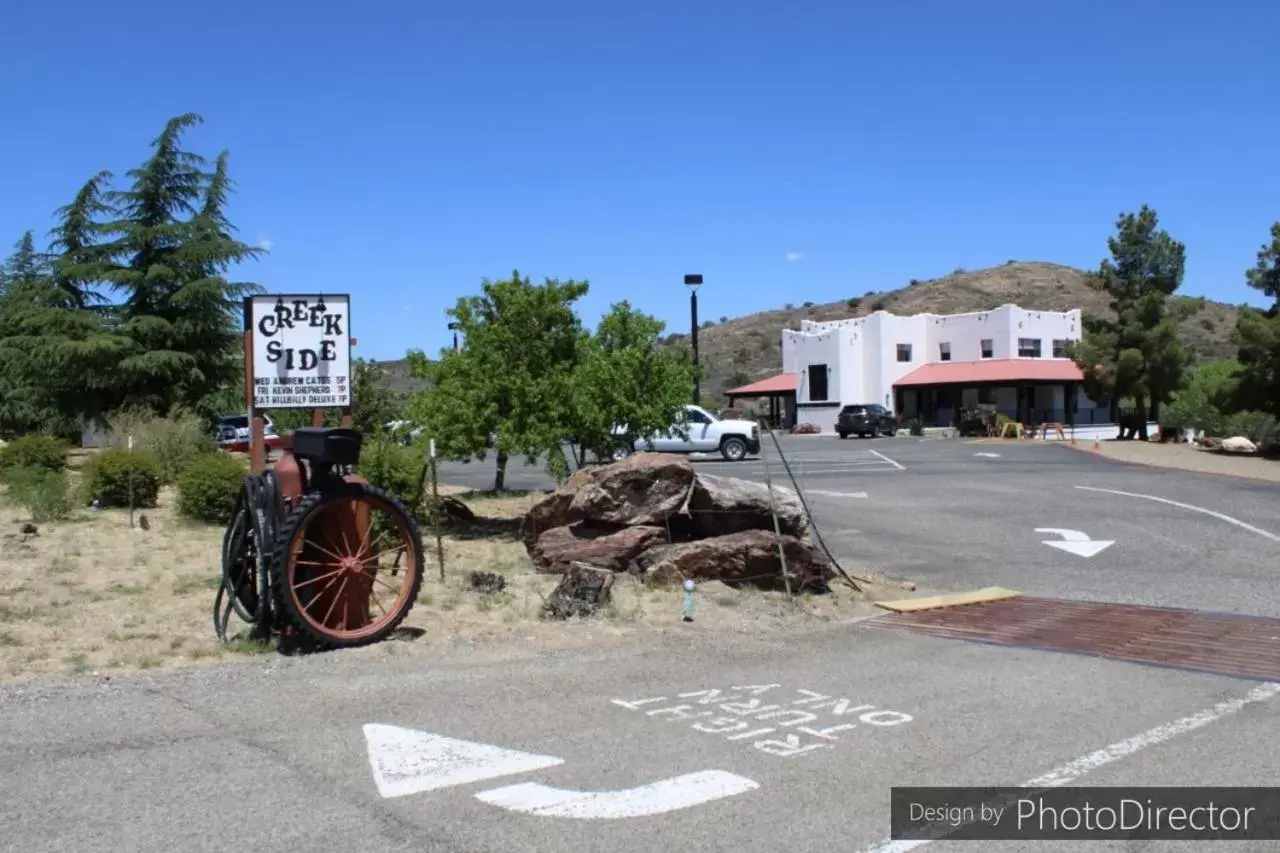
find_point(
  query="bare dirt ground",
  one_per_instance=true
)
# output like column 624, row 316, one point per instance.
column 92, row 595
column 1190, row 458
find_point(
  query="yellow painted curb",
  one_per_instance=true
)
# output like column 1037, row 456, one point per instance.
column 951, row 599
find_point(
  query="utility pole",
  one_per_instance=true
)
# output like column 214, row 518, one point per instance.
column 693, row 282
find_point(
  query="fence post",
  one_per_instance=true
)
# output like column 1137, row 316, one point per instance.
column 435, row 508
column 773, row 511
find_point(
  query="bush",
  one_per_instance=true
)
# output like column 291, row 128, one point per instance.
column 40, row 491
column 395, row 468
column 1259, row 427
column 209, row 485
column 915, row 427
column 109, row 477
column 173, row 441
column 33, row 451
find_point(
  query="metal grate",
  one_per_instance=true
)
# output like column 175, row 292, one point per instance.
column 1224, row 644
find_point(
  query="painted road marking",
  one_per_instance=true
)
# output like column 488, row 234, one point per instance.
column 1220, row 516
column 887, row 459
column 988, row 455
column 835, row 494
column 681, row 792
column 406, row 761
column 1075, row 542
column 741, row 714
column 1074, row 770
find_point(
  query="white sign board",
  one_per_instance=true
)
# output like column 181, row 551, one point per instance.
column 301, row 351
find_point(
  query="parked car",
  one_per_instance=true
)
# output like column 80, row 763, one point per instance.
column 234, row 433
column 865, row 419
column 696, row 431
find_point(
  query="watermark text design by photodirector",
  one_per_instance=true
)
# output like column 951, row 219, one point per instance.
column 1086, row 814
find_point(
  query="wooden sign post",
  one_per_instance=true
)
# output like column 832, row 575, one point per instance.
column 297, row 351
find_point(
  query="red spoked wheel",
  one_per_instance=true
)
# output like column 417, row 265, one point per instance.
column 348, row 565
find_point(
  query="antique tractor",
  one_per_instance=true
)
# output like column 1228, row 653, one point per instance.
column 316, row 553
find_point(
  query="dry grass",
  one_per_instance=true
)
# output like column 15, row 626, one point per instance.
column 91, row 595
column 751, row 345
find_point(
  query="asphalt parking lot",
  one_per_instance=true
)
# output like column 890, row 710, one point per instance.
column 632, row 749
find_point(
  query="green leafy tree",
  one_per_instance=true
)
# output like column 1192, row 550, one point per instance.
column 172, row 244
column 624, row 377
column 1204, row 403
column 374, row 402
column 1259, row 334
column 506, row 388
column 1137, row 355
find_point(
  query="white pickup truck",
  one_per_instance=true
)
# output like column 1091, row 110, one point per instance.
column 697, row 431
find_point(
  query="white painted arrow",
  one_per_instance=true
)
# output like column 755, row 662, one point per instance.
column 1075, row 542
column 837, row 494
column 667, row 795
column 406, row 761
column 988, row 455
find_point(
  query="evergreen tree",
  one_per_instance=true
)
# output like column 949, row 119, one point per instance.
column 79, row 261
column 1137, row 355
column 26, row 267
column 1259, row 334
column 172, row 245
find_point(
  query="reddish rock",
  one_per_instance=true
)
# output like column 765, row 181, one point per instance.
column 723, row 505
column 748, row 557
column 603, row 547
column 647, row 488
column 553, row 510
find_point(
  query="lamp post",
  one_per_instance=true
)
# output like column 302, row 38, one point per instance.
column 693, row 282
column 453, row 327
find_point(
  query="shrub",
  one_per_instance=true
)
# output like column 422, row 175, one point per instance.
column 1259, row 427
column 40, row 491
column 209, row 485
column 173, row 441
column 395, row 468
column 33, row 451
column 915, row 427
column 110, row 476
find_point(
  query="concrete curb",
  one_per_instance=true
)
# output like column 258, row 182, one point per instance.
column 1153, row 466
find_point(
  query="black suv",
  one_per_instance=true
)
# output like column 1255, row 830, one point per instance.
column 867, row 419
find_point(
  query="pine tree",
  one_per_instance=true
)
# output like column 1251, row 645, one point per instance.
column 172, row 246
column 1137, row 355
column 1259, row 333
column 79, row 260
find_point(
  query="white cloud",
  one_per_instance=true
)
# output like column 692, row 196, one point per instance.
column 794, row 256
column 265, row 243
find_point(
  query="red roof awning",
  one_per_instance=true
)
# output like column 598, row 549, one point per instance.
column 1010, row 370
column 783, row 383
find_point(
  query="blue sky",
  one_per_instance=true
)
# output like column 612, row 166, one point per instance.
column 789, row 152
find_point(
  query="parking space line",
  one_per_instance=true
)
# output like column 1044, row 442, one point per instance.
column 1082, row 766
column 887, row 459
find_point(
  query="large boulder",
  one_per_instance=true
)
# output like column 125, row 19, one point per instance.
column 748, row 557
column 1239, row 444
column 647, row 488
column 553, row 510
column 603, row 547
column 723, row 505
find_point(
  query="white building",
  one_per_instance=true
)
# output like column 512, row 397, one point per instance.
column 930, row 365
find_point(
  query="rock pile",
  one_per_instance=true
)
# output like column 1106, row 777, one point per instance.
column 654, row 515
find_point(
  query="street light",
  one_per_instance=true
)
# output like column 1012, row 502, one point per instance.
column 454, row 327
column 693, row 282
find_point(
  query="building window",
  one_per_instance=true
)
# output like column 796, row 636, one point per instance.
column 986, row 396
column 987, row 349
column 944, row 352
column 904, row 352
column 1028, row 347
column 817, row 383
column 1059, row 349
